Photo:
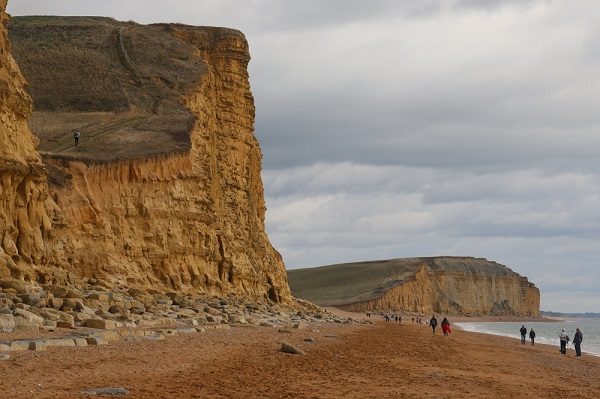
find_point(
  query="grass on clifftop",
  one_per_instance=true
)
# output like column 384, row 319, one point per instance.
column 79, row 79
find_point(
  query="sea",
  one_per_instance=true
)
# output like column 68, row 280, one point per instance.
column 545, row 332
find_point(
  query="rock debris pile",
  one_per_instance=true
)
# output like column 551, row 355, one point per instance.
column 96, row 315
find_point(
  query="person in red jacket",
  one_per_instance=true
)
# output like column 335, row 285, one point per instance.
column 446, row 327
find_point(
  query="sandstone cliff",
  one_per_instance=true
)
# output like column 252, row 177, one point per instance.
column 448, row 285
column 164, row 191
column 23, row 217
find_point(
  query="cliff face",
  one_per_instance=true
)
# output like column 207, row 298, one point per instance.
column 23, row 218
column 448, row 285
column 189, row 220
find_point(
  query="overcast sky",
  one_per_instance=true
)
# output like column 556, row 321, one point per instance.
column 418, row 128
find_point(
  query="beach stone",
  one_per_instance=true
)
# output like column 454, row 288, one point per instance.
column 236, row 319
column 55, row 303
column 7, row 323
column 80, row 341
column 62, row 342
column 65, row 324
column 19, row 345
column 38, row 346
column 30, row 299
column 101, row 324
column 186, row 313
column 105, row 391
column 5, row 309
column 23, row 325
column 212, row 311
column 214, row 319
column 287, row 348
column 99, row 296
column 95, row 340
column 29, row 317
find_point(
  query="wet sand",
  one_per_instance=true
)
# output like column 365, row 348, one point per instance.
column 384, row 360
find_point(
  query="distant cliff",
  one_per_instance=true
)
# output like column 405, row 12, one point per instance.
column 164, row 190
column 448, row 285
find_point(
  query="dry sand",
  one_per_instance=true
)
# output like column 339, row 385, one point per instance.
column 385, row 360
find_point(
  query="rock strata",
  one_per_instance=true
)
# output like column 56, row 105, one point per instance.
column 186, row 219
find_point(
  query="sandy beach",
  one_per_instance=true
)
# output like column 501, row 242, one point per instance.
column 383, row 360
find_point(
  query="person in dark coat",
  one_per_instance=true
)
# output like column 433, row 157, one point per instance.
column 577, row 340
column 433, row 323
column 523, row 331
column 532, row 336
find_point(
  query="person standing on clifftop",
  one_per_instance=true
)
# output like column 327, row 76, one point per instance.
column 433, row 323
column 76, row 136
column 577, row 340
column 523, row 331
column 532, row 336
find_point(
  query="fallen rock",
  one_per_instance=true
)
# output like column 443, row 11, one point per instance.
column 29, row 317
column 237, row 319
column 95, row 340
column 7, row 323
column 287, row 348
column 4, row 356
column 38, row 346
column 101, row 324
column 65, row 324
column 105, row 391
column 21, row 324
column 309, row 340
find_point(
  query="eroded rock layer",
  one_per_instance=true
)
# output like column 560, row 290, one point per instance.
column 189, row 217
column 23, row 217
column 448, row 285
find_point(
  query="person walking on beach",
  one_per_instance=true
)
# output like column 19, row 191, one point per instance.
column 446, row 327
column 564, row 338
column 433, row 323
column 523, row 331
column 577, row 340
column 532, row 336
column 76, row 136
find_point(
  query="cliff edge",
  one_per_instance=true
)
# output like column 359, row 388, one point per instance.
column 449, row 285
column 163, row 191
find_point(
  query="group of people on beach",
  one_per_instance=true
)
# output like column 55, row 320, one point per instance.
column 563, row 339
column 446, row 330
